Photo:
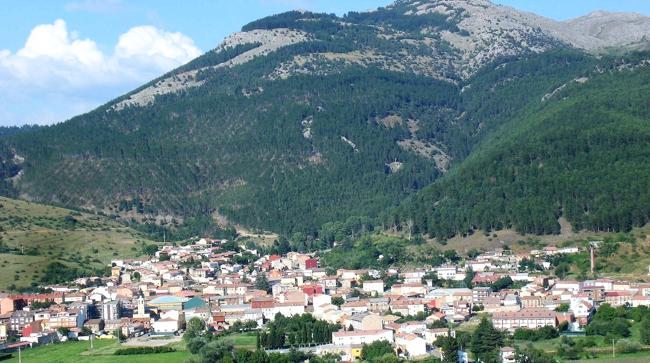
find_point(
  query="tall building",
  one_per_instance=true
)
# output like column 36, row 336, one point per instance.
column 112, row 310
column 141, row 313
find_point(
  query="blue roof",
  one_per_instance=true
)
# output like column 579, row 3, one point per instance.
column 167, row 300
column 194, row 303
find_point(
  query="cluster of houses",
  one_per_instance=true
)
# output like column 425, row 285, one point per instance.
column 158, row 295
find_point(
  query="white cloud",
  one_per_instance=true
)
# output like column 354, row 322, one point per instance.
column 55, row 61
column 150, row 44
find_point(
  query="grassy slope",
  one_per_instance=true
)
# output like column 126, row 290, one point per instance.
column 630, row 261
column 90, row 242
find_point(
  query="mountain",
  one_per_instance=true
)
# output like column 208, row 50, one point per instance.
column 303, row 118
column 581, row 152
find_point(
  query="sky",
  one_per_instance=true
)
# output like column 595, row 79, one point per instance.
column 59, row 59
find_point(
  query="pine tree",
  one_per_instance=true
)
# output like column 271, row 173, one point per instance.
column 486, row 340
column 450, row 347
column 645, row 331
column 262, row 283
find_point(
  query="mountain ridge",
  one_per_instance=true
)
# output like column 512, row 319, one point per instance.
column 571, row 32
column 304, row 119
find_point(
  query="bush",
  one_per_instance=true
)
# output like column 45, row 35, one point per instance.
column 618, row 327
column 144, row 350
column 544, row 333
column 627, row 346
column 376, row 350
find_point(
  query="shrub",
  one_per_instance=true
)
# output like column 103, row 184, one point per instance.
column 144, row 350
column 627, row 346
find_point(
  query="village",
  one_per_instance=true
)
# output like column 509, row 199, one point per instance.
column 410, row 308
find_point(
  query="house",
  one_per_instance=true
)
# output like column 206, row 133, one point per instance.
column 41, row 338
column 332, row 316
column 431, row 335
column 346, row 338
column 407, row 306
column 569, row 285
column 479, row 294
column 4, row 331
column 414, row 276
column 32, row 328
column 408, row 289
column 373, row 287
column 378, row 304
column 170, row 322
column 328, row 282
column 507, row 355
column 20, row 319
column 111, row 326
column 618, row 298
column 358, row 306
column 309, row 263
column 165, row 326
column 295, row 297
column 446, row 272
column 9, row 304
column 287, row 309
column 312, row 289
column 64, row 319
column 365, row 321
column 530, row 301
column 410, row 344
column 320, row 300
column 344, row 274
column 582, row 309
column 640, row 300
column 95, row 325
column 412, row 327
column 531, row 318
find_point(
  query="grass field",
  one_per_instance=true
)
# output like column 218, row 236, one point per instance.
column 243, row 340
column 642, row 357
column 78, row 352
column 47, row 234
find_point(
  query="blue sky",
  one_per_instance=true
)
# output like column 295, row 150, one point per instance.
column 62, row 58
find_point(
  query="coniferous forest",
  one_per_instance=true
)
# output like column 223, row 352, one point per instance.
column 524, row 141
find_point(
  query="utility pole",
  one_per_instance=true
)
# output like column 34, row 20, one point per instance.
column 20, row 358
column 613, row 348
column 91, row 340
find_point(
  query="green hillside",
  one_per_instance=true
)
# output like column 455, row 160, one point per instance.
column 583, row 154
column 35, row 239
column 256, row 166
column 386, row 117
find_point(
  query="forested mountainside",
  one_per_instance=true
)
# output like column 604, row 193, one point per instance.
column 303, row 118
column 582, row 153
column 14, row 130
